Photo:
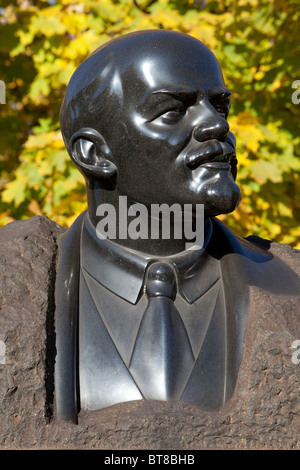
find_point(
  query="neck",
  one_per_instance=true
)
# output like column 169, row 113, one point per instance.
column 142, row 228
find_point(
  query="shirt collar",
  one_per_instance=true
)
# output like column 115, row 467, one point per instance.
column 122, row 270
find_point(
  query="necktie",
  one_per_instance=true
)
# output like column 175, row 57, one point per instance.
column 162, row 358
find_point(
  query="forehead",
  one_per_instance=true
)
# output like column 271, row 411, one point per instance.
column 180, row 66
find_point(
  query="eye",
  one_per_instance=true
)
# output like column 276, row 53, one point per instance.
column 169, row 108
column 221, row 105
column 222, row 110
column 173, row 115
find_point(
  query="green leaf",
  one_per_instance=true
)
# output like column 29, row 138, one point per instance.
column 41, row 86
column 15, row 192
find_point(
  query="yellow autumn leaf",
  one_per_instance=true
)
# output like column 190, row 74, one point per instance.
column 47, row 25
column 45, row 167
column 259, row 75
column 78, row 47
column 264, row 205
column 284, row 210
column 276, row 85
column 26, row 37
column 40, row 140
column 5, row 218
column 170, row 18
column 34, row 207
column 251, row 137
column 74, row 22
column 206, row 34
column 263, row 170
column 50, row 68
column 58, row 142
column 64, row 75
column 15, row 191
column 246, row 118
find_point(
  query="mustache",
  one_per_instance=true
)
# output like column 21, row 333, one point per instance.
column 212, row 151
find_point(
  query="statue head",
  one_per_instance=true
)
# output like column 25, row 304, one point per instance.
column 146, row 116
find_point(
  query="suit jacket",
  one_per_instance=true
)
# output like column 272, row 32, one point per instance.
column 100, row 303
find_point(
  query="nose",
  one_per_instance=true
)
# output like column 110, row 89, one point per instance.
column 212, row 127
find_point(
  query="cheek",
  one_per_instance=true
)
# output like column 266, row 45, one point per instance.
column 147, row 161
column 147, row 149
column 149, row 178
column 173, row 137
column 150, row 140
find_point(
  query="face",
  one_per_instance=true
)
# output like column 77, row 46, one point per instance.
column 172, row 143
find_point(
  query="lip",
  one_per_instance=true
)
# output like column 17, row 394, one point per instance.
column 218, row 165
column 210, row 153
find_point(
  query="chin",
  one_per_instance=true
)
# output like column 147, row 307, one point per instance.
column 217, row 190
column 221, row 199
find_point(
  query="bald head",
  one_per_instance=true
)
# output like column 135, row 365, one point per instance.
column 106, row 81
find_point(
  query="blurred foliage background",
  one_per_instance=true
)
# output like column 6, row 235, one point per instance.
column 257, row 43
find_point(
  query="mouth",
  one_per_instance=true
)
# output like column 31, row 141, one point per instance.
column 213, row 153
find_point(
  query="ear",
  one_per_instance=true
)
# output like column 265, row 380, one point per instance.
column 91, row 155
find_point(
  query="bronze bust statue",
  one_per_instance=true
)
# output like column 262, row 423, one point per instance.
column 152, row 317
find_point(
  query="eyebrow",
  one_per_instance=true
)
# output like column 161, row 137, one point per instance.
column 186, row 93
column 219, row 91
column 160, row 97
column 154, row 98
column 189, row 92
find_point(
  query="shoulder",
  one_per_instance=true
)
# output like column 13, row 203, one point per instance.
column 287, row 254
column 271, row 275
